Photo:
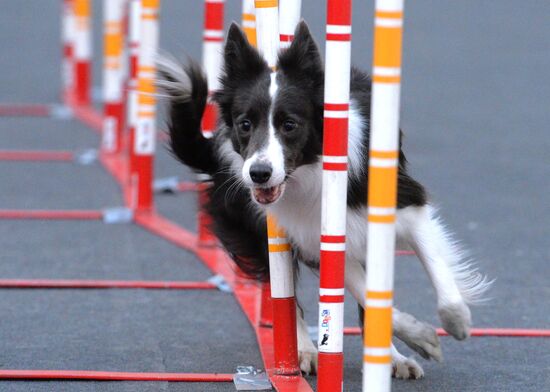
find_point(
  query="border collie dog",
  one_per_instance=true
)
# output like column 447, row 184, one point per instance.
column 266, row 158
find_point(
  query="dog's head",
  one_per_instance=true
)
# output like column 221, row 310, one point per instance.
column 274, row 119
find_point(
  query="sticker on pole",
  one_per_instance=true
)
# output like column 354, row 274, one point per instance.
column 144, row 143
column 331, row 327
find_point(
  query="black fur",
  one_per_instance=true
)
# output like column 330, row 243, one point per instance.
column 186, row 140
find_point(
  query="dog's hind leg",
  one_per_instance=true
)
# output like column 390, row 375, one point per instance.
column 419, row 336
column 307, row 352
column 455, row 283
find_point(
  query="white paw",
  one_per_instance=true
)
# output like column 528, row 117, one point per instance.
column 420, row 337
column 406, row 368
column 308, row 361
column 456, row 319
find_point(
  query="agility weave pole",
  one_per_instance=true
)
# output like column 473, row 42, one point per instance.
column 212, row 59
column 67, row 32
column 113, row 76
column 248, row 23
column 280, row 256
column 142, row 147
column 334, row 196
column 82, row 51
column 382, row 194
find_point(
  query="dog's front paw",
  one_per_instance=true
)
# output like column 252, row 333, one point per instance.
column 308, row 361
column 420, row 337
column 456, row 319
column 406, row 368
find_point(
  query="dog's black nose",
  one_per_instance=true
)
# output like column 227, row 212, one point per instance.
column 260, row 173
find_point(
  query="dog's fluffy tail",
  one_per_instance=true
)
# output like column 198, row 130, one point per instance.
column 187, row 89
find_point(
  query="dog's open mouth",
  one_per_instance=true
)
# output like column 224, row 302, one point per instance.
column 268, row 195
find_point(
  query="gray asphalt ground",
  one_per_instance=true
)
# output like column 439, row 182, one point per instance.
column 475, row 112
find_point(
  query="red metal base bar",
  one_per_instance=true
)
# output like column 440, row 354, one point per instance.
column 103, row 284
column 188, row 187
column 112, row 376
column 36, row 155
column 495, row 332
column 404, row 253
column 25, row 110
column 85, row 113
column 52, row 214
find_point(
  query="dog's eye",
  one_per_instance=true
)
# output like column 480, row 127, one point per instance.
column 289, row 125
column 245, row 126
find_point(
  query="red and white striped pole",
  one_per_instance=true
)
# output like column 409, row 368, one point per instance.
column 382, row 194
column 334, row 196
column 82, row 46
column 280, row 257
column 212, row 59
column 113, row 76
column 67, row 34
column 289, row 16
column 249, row 21
column 143, row 146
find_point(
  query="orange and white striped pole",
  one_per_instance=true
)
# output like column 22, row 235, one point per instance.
column 82, row 46
column 143, row 146
column 67, row 33
column 382, row 194
column 249, row 21
column 289, row 16
column 212, row 59
column 334, row 196
column 113, row 76
column 249, row 28
column 280, row 257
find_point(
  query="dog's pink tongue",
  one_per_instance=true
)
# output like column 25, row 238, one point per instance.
column 266, row 195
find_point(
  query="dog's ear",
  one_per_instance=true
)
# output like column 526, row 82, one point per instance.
column 242, row 60
column 302, row 57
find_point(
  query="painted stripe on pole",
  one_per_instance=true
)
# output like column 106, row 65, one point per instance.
column 379, row 303
column 331, row 247
column 338, row 292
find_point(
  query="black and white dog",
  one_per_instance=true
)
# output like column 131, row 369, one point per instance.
column 266, row 157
